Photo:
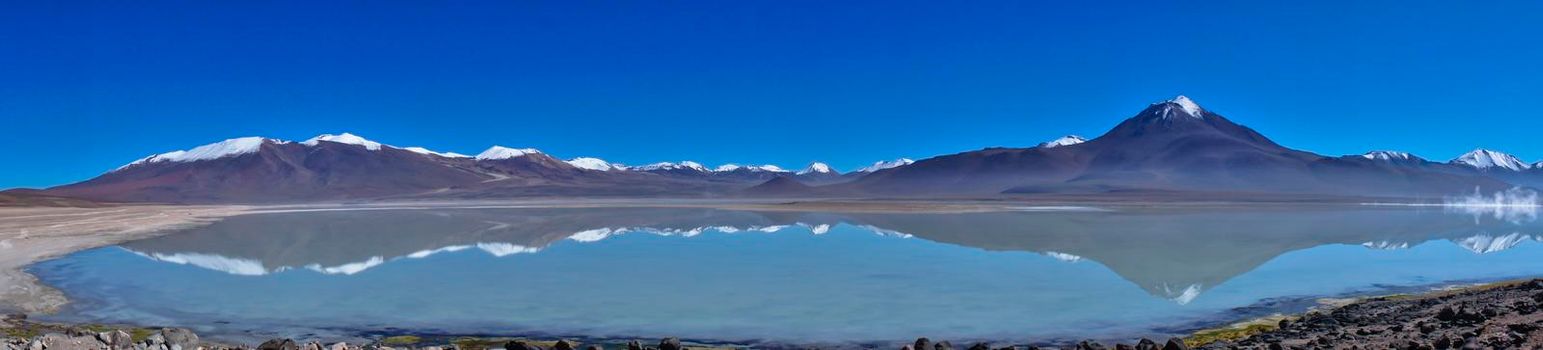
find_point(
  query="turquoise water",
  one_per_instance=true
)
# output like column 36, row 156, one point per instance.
column 776, row 277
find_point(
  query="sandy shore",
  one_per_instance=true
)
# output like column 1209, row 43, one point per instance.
column 32, row 234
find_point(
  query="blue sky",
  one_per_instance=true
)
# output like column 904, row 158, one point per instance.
column 89, row 86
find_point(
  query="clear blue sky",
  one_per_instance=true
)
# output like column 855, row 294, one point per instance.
column 88, row 86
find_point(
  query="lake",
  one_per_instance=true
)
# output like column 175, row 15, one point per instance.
column 750, row 277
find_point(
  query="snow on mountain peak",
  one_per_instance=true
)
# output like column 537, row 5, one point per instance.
column 768, row 168
column 421, row 150
column 1184, row 104
column 595, row 164
column 1485, row 159
column 1067, row 140
column 1388, row 155
column 674, row 166
column 885, row 164
column 501, row 152
column 227, row 148
column 816, row 167
column 344, row 138
column 753, row 168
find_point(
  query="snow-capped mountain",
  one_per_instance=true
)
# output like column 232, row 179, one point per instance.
column 816, row 167
column 596, row 164
column 1390, row 155
column 501, row 152
column 1067, row 140
column 217, row 150
column 671, row 166
column 1172, row 145
column 1180, row 106
column 344, row 138
column 1484, row 159
column 884, row 164
column 818, row 173
column 731, row 167
column 425, row 151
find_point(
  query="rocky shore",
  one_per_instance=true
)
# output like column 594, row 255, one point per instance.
column 1496, row 316
column 1499, row 316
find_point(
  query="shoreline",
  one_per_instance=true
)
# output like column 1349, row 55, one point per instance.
column 32, row 234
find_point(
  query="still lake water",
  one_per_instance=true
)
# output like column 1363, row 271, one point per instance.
column 777, row 277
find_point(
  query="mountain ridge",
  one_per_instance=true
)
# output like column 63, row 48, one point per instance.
column 1174, row 145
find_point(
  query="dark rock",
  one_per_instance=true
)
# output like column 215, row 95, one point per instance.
column 562, row 345
column 1447, row 313
column 1090, row 345
column 1118, row 346
column 1175, row 344
column 943, row 345
column 922, row 344
column 279, row 344
column 520, row 345
column 980, row 346
column 634, row 345
column 669, row 344
column 594, row 347
column 1146, row 344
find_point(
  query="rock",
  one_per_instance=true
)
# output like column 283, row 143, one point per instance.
column 1146, row 344
column 562, row 345
column 338, row 346
column 980, row 346
column 180, row 336
column 116, row 339
column 594, row 347
column 276, row 344
column 56, row 341
column 311, row 346
column 923, row 344
column 431, row 348
column 1090, row 345
column 943, row 345
column 520, row 345
column 907, row 347
column 1175, row 344
column 154, row 340
column 1118, row 346
column 1472, row 343
column 634, row 345
column 1447, row 313
column 669, row 344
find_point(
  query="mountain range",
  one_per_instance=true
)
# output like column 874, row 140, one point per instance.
column 1170, row 147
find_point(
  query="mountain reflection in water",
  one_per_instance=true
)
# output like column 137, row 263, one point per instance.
column 1174, row 255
